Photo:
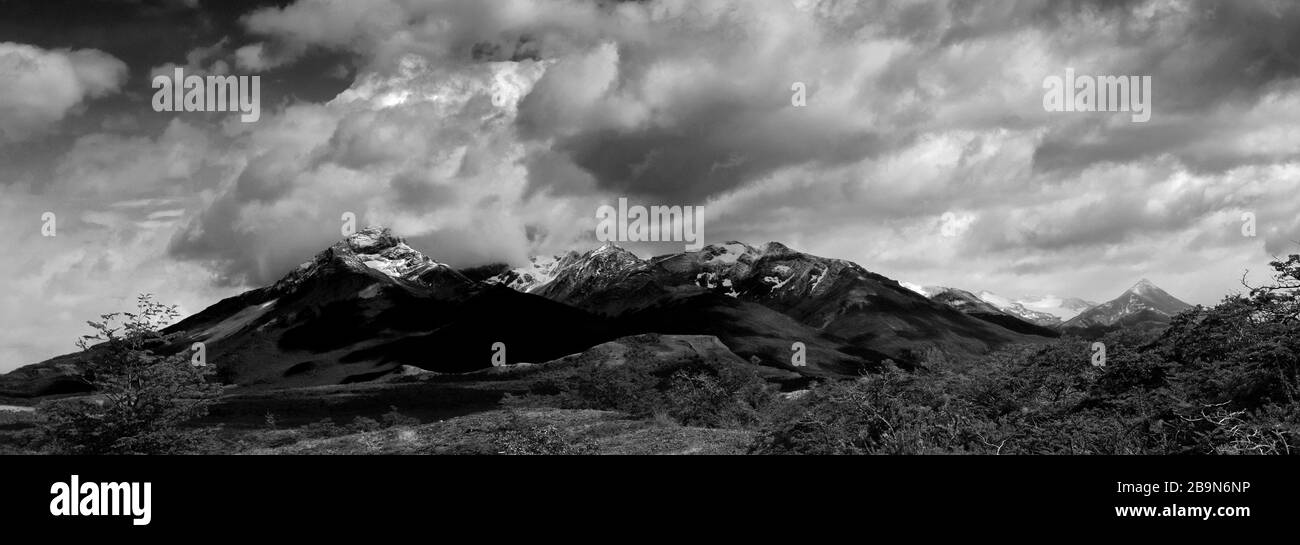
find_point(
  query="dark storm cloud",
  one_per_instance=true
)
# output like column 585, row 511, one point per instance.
column 141, row 32
column 1208, row 63
column 1212, row 55
column 714, row 149
column 1244, row 48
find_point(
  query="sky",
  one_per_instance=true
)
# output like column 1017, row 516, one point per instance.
column 485, row 132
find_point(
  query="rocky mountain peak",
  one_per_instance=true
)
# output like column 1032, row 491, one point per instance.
column 776, row 249
column 610, row 255
column 372, row 240
column 373, row 249
column 1143, row 300
column 1144, row 287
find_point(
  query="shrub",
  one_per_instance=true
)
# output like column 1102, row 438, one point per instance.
column 627, row 388
column 142, row 398
column 522, row 436
column 322, row 428
column 362, row 424
column 723, row 397
column 393, row 418
column 1219, row 380
column 692, row 393
column 886, row 414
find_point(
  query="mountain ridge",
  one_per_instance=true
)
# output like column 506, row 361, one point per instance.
column 369, row 306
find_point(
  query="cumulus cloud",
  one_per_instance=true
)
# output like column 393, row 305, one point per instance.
column 40, row 87
column 114, row 166
column 427, row 151
column 473, row 117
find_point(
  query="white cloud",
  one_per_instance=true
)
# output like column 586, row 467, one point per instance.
column 39, row 87
column 98, row 261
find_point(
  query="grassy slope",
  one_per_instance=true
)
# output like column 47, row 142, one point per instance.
column 605, row 432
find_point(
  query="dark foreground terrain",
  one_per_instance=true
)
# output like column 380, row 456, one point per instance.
column 1217, row 381
column 514, row 410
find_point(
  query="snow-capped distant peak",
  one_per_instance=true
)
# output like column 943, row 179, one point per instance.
column 727, row 253
column 539, row 271
column 1144, row 287
column 374, row 249
column 1142, row 301
column 1044, row 310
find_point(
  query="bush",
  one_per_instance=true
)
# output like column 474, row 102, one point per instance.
column 727, row 397
column 887, row 414
column 1220, row 380
column 393, row 418
column 321, row 429
column 523, row 437
column 626, row 388
column 693, row 393
column 362, row 424
column 141, row 397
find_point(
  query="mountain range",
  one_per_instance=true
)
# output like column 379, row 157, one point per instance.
column 1047, row 310
column 1142, row 306
column 370, row 306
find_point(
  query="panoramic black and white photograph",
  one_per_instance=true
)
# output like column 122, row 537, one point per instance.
column 600, row 227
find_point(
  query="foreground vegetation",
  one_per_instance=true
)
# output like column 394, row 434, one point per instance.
column 1219, row 380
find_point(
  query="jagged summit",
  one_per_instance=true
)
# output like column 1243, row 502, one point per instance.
column 374, row 250
column 373, row 239
column 608, row 259
column 379, row 250
column 611, row 249
column 539, row 271
column 777, row 248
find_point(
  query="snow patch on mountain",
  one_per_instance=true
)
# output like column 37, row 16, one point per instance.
column 925, row 291
column 537, row 273
column 728, row 253
column 234, row 323
column 1041, row 310
column 817, row 277
column 375, row 249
